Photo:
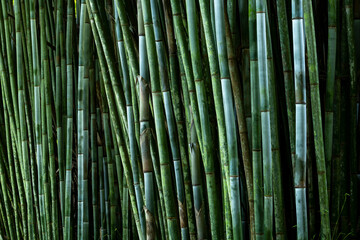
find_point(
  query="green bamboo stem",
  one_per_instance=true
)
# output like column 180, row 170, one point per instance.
column 265, row 116
column 280, row 224
column 199, row 203
column 110, row 170
column 145, row 131
column 256, row 126
column 59, row 52
column 229, row 114
column 81, row 118
column 88, row 54
column 45, row 151
column 125, row 212
column 316, row 116
column 69, row 119
column 299, row 167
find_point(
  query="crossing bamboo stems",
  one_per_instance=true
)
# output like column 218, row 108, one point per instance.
column 180, row 119
column 243, row 123
column 115, row 119
column 159, row 117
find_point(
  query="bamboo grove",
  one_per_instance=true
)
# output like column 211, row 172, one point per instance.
column 179, row 119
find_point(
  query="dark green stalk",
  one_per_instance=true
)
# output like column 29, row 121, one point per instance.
column 329, row 94
column 353, row 113
column 287, row 72
column 316, row 116
column 102, row 192
column 93, row 77
column 245, row 66
column 125, row 211
column 128, row 41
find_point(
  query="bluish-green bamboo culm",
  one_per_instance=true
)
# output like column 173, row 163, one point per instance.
column 179, row 119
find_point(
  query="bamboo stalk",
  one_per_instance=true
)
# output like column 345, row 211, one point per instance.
column 299, row 167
